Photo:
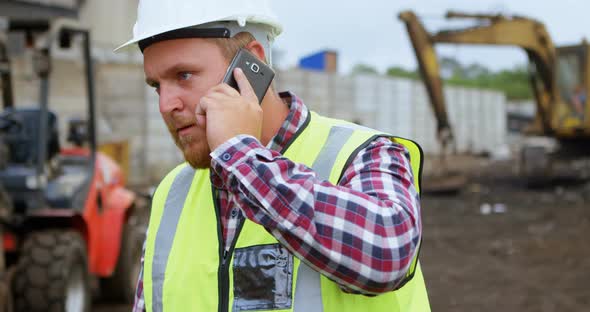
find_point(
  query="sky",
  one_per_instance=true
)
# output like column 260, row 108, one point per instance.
column 369, row 31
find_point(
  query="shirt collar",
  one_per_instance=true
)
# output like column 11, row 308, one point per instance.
column 298, row 113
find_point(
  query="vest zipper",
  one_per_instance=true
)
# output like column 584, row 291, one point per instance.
column 223, row 283
column 224, row 255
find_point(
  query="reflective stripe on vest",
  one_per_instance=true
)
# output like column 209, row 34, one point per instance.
column 308, row 294
column 185, row 272
column 165, row 234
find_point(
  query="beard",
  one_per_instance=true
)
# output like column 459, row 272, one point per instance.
column 193, row 146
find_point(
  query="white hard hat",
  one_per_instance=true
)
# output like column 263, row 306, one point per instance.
column 173, row 19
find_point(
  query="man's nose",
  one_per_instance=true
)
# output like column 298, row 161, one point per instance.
column 169, row 100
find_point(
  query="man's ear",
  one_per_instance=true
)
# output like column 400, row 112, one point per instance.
column 257, row 49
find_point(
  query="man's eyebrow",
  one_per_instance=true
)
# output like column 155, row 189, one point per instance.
column 150, row 82
column 180, row 66
column 172, row 70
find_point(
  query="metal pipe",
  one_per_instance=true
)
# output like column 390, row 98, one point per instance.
column 43, row 70
column 5, row 77
column 90, row 90
column 89, row 73
column 455, row 14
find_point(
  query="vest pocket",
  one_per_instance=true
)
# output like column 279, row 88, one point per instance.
column 263, row 278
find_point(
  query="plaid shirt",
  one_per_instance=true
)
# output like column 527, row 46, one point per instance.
column 361, row 233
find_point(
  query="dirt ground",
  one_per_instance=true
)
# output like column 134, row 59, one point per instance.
column 531, row 257
column 499, row 246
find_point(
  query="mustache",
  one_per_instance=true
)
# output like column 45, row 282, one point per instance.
column 178, row 122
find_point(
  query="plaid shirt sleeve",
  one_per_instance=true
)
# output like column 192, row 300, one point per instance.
column 139, row 303
column 361, row 233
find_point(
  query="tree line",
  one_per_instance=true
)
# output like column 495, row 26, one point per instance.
column 512, row 82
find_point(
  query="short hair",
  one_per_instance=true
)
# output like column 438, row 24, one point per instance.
column 230, row 46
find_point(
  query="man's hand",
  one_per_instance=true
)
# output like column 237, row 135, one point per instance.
column 224, row 112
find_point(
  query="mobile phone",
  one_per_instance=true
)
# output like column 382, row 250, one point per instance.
column 259, row 74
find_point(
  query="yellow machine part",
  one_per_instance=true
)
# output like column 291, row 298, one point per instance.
column 118, row 151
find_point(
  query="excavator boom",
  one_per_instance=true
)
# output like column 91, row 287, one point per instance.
column 430, row 72
column 522, row 32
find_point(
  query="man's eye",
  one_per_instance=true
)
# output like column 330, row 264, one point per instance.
column 185, row 76
column 156, row 87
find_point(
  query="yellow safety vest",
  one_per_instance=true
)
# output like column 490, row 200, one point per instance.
column 186, row 268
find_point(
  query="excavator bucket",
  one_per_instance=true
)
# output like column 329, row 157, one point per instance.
column 442, row 180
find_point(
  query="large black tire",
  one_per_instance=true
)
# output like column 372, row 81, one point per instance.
column 52, row 273
column 120, row 287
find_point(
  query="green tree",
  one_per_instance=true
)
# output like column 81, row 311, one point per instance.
column 513, row 82
column 396, row 71
column 450, row 67
column 363, row 69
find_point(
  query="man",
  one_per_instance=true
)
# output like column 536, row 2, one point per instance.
column 578, row 100
column 278, row 208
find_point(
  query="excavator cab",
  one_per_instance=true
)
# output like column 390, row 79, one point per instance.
column 572, row 63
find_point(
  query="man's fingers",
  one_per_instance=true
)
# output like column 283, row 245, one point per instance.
column 225, row 89
column 244, row 85
column 202, row 106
